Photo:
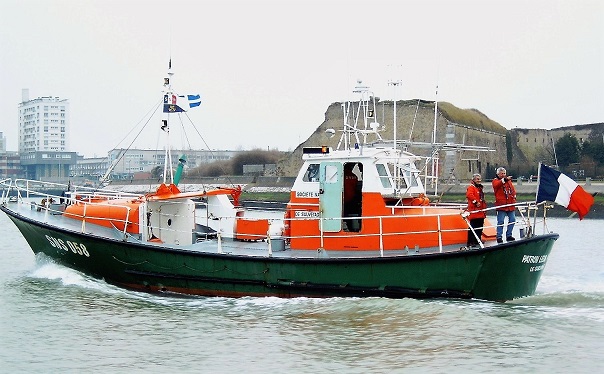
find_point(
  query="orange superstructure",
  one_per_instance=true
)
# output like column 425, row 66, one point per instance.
column 382, row 227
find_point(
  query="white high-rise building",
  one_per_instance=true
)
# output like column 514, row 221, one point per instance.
column 43, row 124
column 44, row 138
column 2, row 143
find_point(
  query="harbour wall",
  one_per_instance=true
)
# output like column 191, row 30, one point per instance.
column 284, row 184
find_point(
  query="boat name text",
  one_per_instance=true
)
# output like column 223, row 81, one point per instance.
column 306, row 214
column 307, row 194
column 527, row 259
column 77, row 248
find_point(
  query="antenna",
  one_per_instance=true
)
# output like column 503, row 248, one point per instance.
column 414, row 118
column 434, row 148
column 394, row 84
column 554, row 148
column 366, row 112
column 435, row 114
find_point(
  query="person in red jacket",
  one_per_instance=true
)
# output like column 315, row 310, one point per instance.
column 505, row 194
column 476, row 207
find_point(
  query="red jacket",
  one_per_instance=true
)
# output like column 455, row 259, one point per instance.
column 476, row 202
column 505, row 193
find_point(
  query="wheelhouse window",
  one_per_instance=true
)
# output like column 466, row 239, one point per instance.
column 311, row 174
column 384, row 177
column 404, row 176
column 410, row 175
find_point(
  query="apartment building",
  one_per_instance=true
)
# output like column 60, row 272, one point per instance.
column 44, row 137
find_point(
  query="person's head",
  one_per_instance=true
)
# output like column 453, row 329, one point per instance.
column 501, row 172
column 476, row 178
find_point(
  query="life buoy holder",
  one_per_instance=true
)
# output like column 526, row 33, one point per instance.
column 420, row 200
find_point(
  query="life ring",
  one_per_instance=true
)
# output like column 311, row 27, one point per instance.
column 420, row 200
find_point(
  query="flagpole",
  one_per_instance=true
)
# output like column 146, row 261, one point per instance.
column 538, row 180
column 536, row 207
column 166, row 124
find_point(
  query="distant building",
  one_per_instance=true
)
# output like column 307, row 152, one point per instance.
column 2, row 143
column 43, row 124
column 266, row 170
column 91, row 168
column 10, row 165
column 130, row 163
column 51, row 166
column 44, row 137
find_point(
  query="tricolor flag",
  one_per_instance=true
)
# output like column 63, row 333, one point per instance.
column 558, row 187
column 180, row 103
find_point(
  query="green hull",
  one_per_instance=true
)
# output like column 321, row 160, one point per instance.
column 497, row 273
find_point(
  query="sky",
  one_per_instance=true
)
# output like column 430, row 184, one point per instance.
column 268, row 70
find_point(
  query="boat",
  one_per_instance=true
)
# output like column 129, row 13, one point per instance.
column 359, row 223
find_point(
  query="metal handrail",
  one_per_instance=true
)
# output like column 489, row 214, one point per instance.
column 439, row 230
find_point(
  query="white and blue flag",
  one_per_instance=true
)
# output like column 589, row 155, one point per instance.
column 194, row 100
column 180, row 103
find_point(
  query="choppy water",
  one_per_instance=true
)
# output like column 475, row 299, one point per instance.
column 56, row 320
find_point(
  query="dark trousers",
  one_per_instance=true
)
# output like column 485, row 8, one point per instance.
column 477, row 224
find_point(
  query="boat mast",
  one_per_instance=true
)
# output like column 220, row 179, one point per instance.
column 348, row 109
column 397, row 176
column 395, row 84
column 168, row 95
column 434, row 180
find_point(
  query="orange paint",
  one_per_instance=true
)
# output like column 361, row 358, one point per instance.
column 251, row 229
column 415, row 224
column 107, row 213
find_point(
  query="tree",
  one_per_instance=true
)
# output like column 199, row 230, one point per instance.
column 213, row 169
column 157, row 172
column 595, row 150
column 568, row 150
column 254, row 157
column 234, row 166
column 508, row 147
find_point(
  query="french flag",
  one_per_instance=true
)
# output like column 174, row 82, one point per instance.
column 558, row 187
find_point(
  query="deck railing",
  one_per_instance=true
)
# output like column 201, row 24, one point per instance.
column 29, row 191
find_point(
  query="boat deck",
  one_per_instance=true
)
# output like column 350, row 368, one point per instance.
column 227, row 245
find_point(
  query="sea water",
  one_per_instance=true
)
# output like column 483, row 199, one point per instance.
column 56, row 320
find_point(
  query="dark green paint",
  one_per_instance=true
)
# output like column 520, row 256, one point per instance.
column 495, row 273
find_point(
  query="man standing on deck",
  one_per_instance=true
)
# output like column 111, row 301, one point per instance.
column 505, row 194
column 476, row 206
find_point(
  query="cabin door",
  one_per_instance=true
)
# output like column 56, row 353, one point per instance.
column 331, row 184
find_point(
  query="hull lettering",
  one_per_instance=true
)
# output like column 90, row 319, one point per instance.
column 306, row 214
column 77, row 248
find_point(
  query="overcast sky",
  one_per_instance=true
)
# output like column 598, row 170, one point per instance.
column 268, row 70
